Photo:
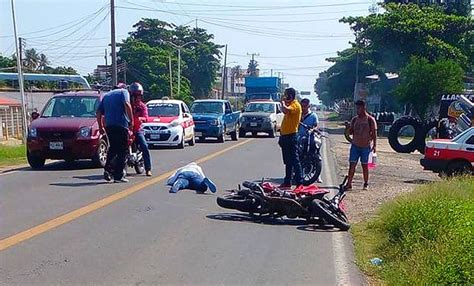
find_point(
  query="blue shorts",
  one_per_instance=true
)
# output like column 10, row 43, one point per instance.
column 359, row 152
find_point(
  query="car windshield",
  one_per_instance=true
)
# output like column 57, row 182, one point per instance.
column 260, row 107
column 207, row 107
column 163, row 109
column 71, row 106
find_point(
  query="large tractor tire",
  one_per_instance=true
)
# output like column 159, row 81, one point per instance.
column 400, row 123
column 429, row 129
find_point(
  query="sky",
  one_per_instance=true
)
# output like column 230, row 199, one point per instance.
column 292, row 38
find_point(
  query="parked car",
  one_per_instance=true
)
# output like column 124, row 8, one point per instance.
column 169, row 123
column 215, row 118
column 67, row 129
column 451, row 156
column 261, row 116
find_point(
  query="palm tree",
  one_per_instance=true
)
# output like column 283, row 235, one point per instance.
column 31, row 60
column 43, row 62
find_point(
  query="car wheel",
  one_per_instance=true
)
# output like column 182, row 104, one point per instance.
column 273, row 132
column 459, row 168
column 202, row 139
column 100, row 157
column 235, row 134
column 181, row 144
column 192, row 142
column 242, row 133
column 254, row 134
column 35, row 162
column 221, row 138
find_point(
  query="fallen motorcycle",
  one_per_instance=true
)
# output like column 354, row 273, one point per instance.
column 307, row 202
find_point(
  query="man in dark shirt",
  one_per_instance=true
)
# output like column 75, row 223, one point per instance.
column 117, row 112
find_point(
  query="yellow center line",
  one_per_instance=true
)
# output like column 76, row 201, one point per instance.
column 39, row 229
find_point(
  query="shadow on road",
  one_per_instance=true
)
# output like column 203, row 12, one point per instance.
column 418, row 182
column 83, row 184
column 313, row 225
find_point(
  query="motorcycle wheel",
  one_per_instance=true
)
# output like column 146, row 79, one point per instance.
column 324, row 210
column 311, row 170
column 139, row 168
column 237, row 202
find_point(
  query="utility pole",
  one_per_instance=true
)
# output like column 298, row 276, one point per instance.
column 125, row 72
column 20, row 76
column 171, row 78
column 224, row 73
column 253, row 61
column 112, row 41
column 105, row 57
column 196, row 23
column 20, row 40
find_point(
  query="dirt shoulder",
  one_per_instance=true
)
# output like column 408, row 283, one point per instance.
column 395, row 174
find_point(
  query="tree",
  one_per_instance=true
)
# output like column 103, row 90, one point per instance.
column 43, row 62
column 403, row 31
column 31, row 60
column 423, row 83
column 338, row 81
column 6, row 62
column 252, row 68
column 199, row 61
column 456, row 7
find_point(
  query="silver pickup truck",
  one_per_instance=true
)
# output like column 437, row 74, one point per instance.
column 261, row 116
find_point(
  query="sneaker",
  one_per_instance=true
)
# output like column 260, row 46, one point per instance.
column 148, row 173
column 123, row 180
column 107, row 176
column 210, row 184
column 366, row 187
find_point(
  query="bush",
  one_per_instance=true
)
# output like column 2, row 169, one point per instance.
column 425, row 237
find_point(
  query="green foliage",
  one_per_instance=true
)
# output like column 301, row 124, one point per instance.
column 424, row 238
column 409, row 30
column 422, row 83
column 457, row 7
column 252, row 68
column 147, row 53
column 10, row 155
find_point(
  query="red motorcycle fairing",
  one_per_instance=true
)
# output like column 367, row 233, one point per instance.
column 299, row 191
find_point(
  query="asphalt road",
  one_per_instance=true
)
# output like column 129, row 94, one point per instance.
column 64, row 225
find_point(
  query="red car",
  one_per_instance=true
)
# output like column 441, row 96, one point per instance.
column 451, row 156
column 67, row 129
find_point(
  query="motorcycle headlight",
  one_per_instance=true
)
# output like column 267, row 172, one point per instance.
column 215, row 122
column 33, row 132
column 85, row 132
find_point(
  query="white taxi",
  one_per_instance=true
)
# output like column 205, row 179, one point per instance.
column 169, row 123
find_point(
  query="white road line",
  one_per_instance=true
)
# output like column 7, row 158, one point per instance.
column 341, row 266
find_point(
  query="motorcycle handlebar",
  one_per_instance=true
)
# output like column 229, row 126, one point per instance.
column 250, row 185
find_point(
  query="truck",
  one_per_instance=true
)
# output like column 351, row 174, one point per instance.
column 262, row 88
column 216, row 119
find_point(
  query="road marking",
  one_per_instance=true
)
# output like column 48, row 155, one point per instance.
column 341, row 266
column 39, row 229
column 9, row 172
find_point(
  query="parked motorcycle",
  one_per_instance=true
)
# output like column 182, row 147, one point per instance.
column 308, row 202
column 309, row 151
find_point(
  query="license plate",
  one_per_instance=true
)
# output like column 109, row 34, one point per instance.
column 155, row 136
column 56, row 145
column 253, row 124
column 198, row 134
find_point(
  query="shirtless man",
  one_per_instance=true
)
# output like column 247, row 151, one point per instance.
column 364, row 131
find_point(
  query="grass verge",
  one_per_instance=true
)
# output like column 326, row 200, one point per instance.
column 333, row 116
column 12, row 155
column 423, row 238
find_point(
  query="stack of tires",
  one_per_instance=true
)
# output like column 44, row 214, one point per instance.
column 429, row 129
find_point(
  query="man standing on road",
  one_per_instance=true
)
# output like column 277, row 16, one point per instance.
column 364, row 140
column 140, row 112
column 288, row 137
column 116, row 108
